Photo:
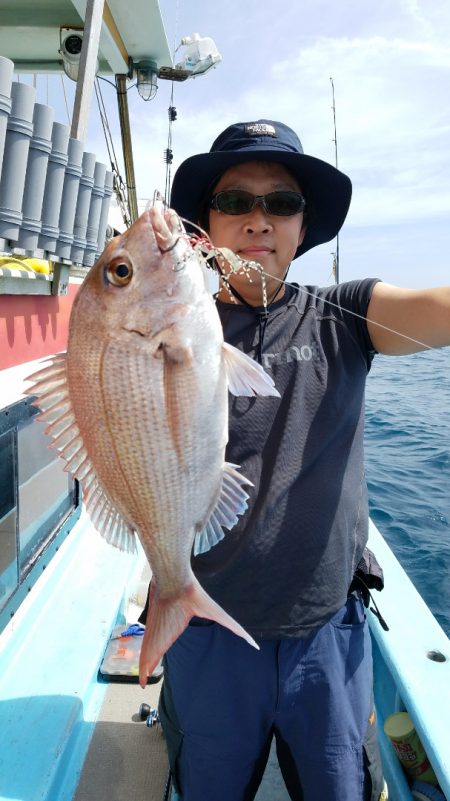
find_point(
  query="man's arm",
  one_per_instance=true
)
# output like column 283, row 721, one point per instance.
column 402, row 321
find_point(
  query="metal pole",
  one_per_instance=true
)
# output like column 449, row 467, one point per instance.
column 87, row 68
column 336, row 260
column 122, row 101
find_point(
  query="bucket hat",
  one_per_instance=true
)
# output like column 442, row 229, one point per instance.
column 327, row 190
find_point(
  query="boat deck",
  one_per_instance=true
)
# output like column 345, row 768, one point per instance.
column 81, row 738
column 127, row 759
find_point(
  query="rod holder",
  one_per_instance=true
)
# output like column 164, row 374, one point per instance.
column 17, row 144
column 108, row 190
column 57, row 163
column 33, row 196
column 69, row 199
column 82, row 209
column 6, row 72
column 95, row 208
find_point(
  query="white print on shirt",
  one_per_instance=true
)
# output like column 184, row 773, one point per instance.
column 305, row 353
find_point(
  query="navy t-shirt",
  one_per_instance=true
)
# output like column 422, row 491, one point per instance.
column 287, row 565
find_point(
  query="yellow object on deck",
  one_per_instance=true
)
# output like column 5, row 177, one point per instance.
column 30, row 264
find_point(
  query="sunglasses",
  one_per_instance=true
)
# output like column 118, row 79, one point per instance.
column 236, row 201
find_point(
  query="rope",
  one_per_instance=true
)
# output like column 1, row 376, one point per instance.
column 118, row 182
column 168, row 153
column 65, row 97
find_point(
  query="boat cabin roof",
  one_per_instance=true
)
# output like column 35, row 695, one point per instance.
column 30, row 34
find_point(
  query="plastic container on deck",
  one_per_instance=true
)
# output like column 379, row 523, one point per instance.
column 410, row 751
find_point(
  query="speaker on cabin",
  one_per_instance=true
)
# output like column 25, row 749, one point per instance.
column 70, row 50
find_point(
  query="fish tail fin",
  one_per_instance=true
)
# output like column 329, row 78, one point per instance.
column 168, row 617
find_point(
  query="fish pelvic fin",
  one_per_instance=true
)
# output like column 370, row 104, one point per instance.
column 168, row 617
column 231, row 504
column 51, row 392
column 245, row 376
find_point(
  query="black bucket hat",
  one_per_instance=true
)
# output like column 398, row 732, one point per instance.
column 327, row 190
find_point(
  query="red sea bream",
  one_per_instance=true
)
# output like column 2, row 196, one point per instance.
column 138, row 408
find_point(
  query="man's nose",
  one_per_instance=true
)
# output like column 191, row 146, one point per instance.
column 257, row 220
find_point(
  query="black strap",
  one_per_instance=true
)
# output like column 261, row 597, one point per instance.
column 262, row 314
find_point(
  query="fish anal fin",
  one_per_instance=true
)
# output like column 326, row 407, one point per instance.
column 107, row 520
column 168, row 617
column 231, row 504
column 245, row 376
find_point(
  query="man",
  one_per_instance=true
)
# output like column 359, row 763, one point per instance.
column 286, row 571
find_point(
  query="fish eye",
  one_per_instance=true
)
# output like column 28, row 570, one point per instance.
column 119, row 272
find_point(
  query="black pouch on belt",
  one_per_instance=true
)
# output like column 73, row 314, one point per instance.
column 369, row 576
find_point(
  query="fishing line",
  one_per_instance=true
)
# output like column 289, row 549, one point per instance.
column 206, row 249
column 350, row 311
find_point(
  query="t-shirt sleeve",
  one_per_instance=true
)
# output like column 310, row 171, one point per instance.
column 352, row 300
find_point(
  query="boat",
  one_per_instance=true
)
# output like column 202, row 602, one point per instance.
column 74, row 724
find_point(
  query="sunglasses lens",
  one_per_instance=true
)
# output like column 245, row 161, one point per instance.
column 234, row 201
column 284, row 204
column 237, row 201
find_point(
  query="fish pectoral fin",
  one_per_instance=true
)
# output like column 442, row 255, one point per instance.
column 52, row 397
column 245, row 376
column 175, row 398
column 171, row 344
column 177, row 353
column 232, row 503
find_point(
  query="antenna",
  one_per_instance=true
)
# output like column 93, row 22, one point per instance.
column 336, row 255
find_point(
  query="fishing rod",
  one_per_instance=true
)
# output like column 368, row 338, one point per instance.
column 336, row 255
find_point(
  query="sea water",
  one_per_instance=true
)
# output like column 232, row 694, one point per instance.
column 407, row 440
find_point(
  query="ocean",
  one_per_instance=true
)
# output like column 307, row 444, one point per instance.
column 407, row 442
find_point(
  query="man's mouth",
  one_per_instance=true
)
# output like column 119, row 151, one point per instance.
column 254, row 251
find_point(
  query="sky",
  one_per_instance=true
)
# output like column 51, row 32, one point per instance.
column 390, row 65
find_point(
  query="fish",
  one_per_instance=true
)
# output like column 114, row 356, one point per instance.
column 138, row 408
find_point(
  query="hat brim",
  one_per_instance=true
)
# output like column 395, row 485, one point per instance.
column 328, row 190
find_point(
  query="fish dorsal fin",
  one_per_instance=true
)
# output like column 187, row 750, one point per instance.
column 245, row 376
column 232, row 503
column 52, row 397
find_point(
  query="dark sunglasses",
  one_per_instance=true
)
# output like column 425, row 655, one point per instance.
column 237, row 201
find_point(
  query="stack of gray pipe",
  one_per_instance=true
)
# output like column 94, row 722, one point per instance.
column 54, row 197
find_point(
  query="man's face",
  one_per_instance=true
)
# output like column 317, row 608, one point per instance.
column 258, row 236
